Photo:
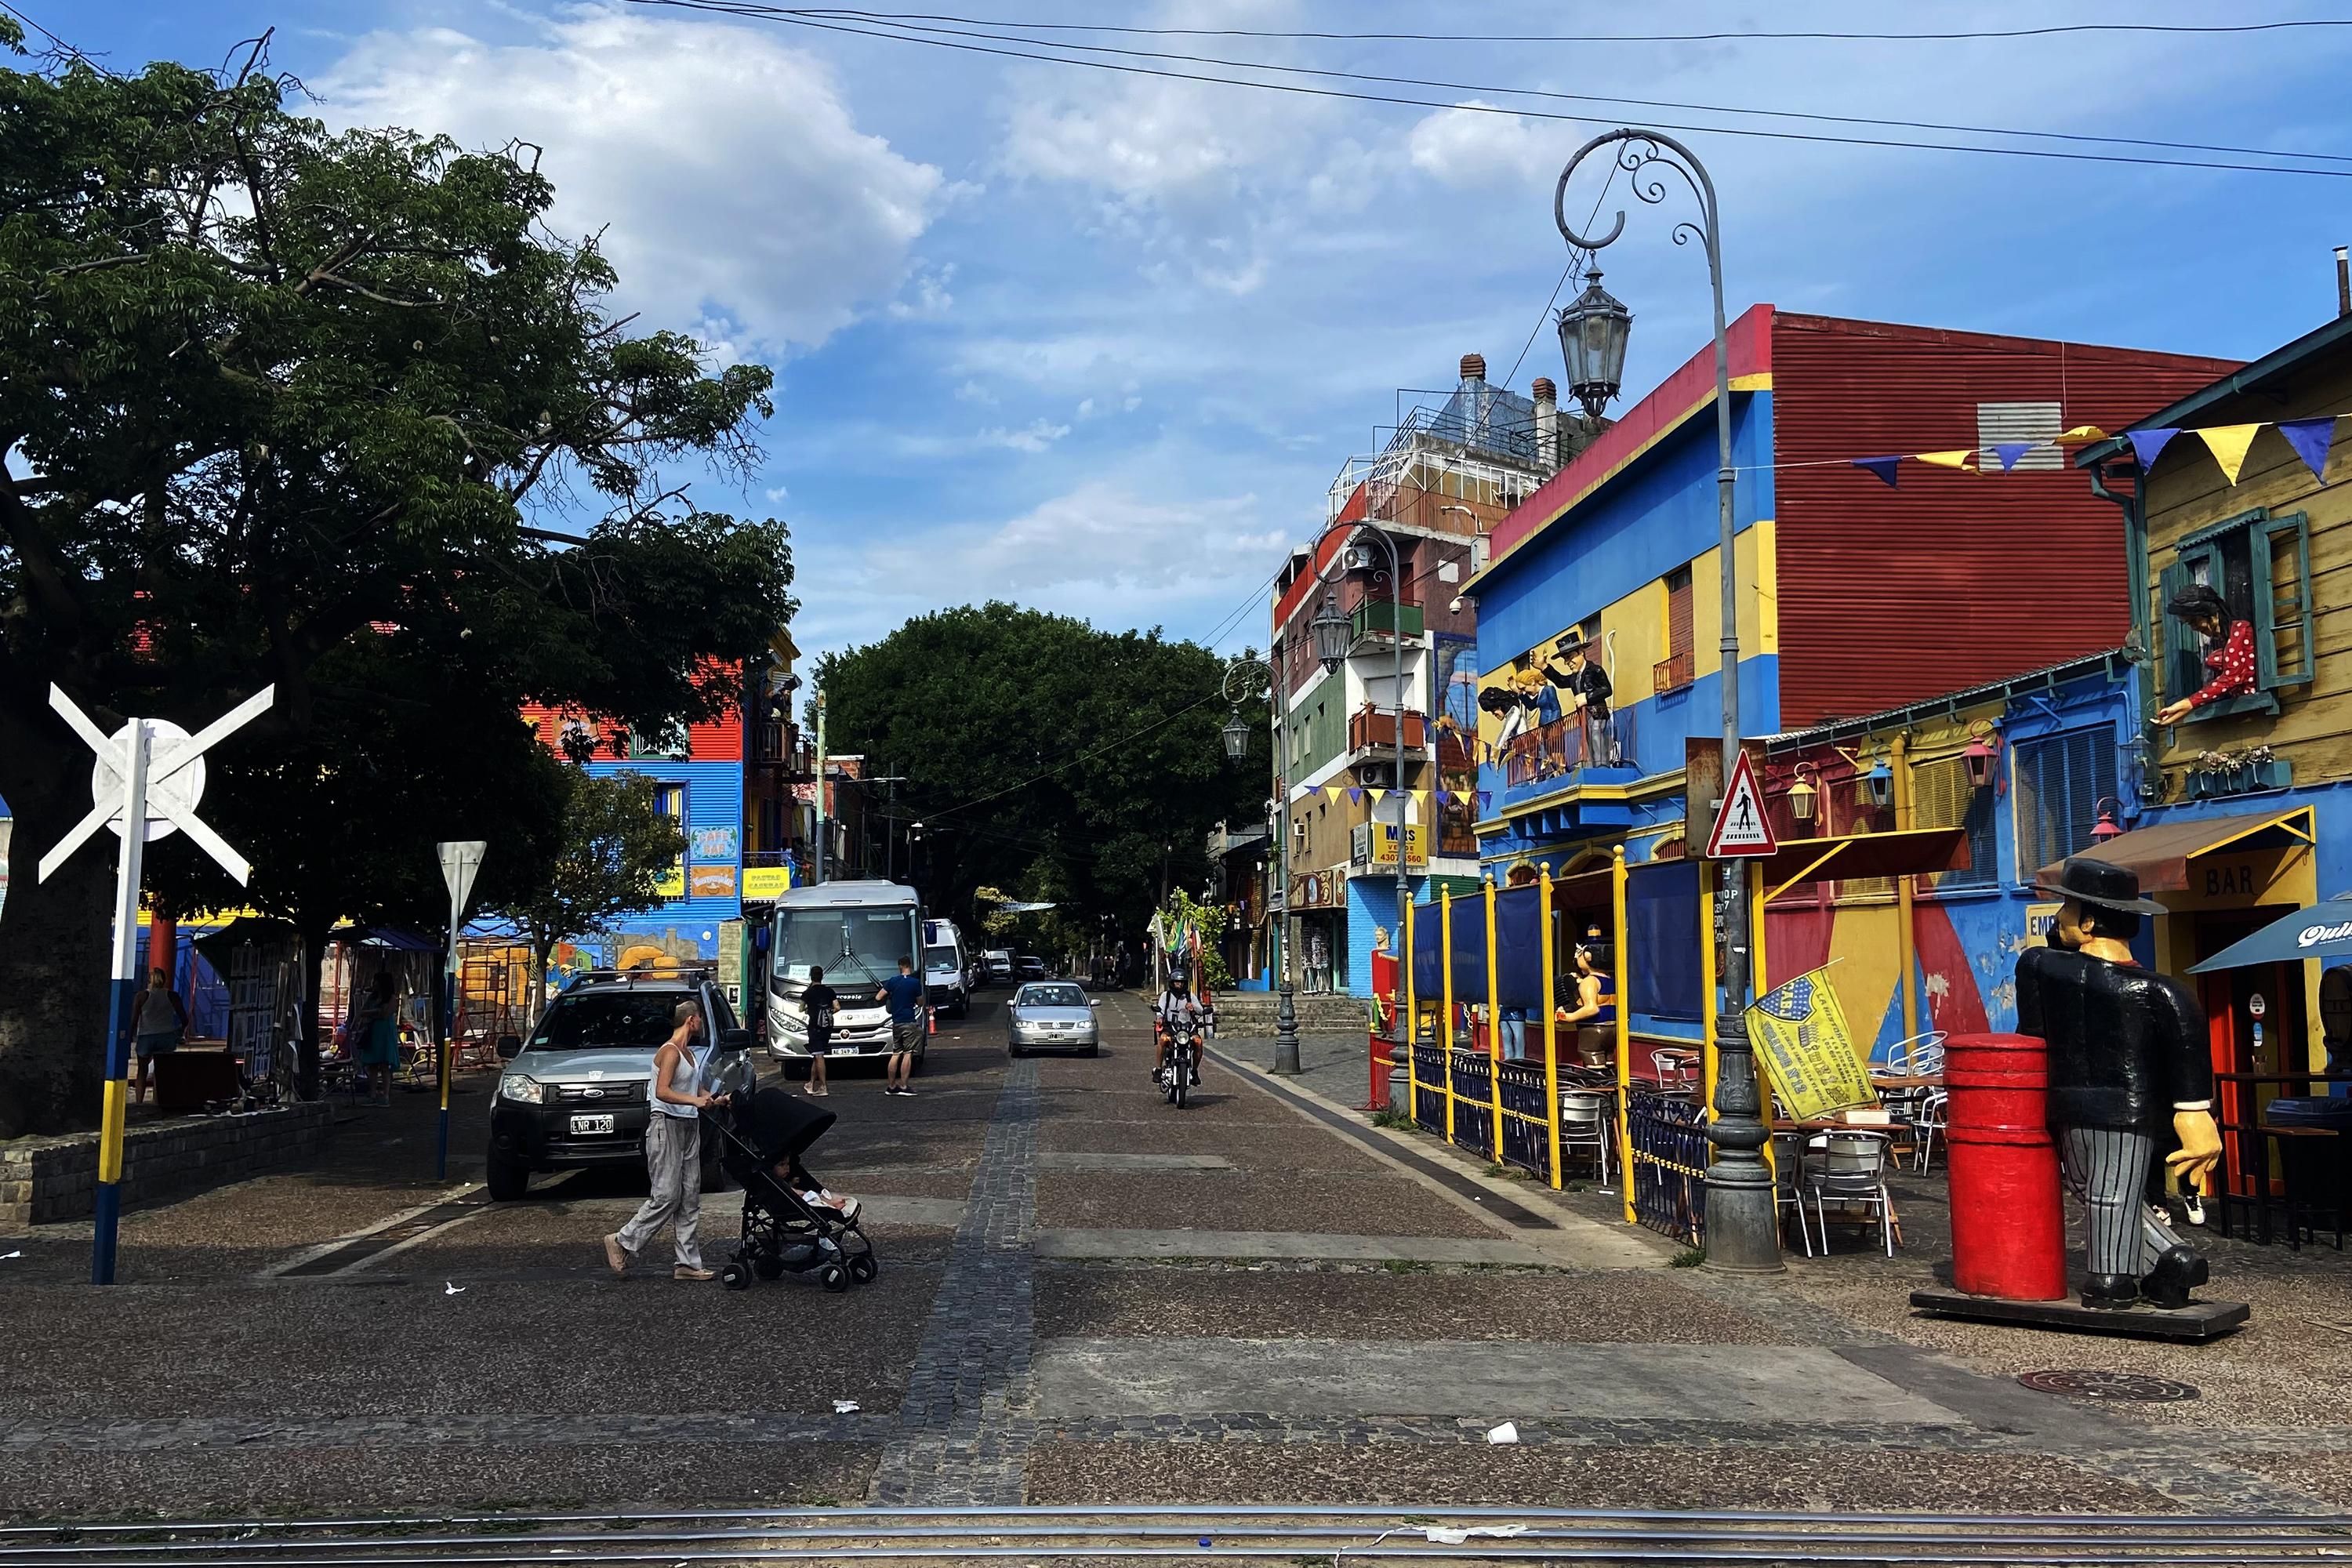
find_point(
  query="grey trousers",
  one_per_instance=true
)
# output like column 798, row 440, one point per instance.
column 674, row 1159
column 2108, row 1166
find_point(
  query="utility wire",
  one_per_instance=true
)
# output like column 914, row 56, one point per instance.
column 1577, row 256
column 1083, row 756
column 60, row 43
column 877, row 19
column 730, row 8
column 1753, row 35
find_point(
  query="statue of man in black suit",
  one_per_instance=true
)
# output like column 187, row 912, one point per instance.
column 2128, row 1053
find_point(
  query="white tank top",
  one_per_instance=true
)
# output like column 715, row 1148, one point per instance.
column 684, row 1080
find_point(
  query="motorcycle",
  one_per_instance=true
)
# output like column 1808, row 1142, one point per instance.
column 1183, row 1059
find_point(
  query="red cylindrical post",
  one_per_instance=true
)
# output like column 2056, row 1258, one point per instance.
column 2009, row 1227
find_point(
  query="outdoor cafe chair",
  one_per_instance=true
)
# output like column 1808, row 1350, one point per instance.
column 1931, row 1122
column 1584, row 1119
column 1919, row 1055
column 1850, row 1168
column 1675, row 1069
column 1788, row 1192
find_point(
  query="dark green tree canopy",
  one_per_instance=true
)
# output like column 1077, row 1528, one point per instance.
column 282, row 406
column 1043, row 753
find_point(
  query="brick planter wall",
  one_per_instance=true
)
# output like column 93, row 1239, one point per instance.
column 1250, row 1015
column 48, row 1179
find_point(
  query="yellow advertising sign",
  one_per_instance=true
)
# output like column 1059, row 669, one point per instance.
column 766, row 881
column 1806, row 1050
column 1384, row 837
column 673, row 882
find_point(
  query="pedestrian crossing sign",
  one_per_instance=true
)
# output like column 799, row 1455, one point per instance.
column 1741, row 828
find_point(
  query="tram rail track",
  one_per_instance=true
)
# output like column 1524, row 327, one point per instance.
column 1279, row 1533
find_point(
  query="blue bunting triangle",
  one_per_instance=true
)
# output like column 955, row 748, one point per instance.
column 2310, row 438
column 2147, row 444
column 2010, row 451
column 1882, row 467
column 1355, row 796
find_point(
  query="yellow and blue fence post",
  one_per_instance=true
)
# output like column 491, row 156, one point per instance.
column 1550, row 1023
column 1493, row 1025
column 1445, row 1020
column 1411, row 1019
column 114, row 1108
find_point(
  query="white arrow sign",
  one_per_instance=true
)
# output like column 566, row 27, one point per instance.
column 461, row 860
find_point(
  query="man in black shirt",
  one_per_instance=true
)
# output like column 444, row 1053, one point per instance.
column 1589, row 691
column 2128, row 1053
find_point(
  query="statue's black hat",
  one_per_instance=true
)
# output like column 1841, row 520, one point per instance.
column 2101, row 883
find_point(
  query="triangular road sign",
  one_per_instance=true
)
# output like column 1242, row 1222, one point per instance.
column 459, row 862
column 1741, row 828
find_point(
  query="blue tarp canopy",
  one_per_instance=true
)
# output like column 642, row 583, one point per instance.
column 2322, row 930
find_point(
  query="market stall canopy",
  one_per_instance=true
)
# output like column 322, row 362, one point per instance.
column 1914, row 851
column 398, row 939
column 2161, row 856
column 2322, row 930
column 260, row 930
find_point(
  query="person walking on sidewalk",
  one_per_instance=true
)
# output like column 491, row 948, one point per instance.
column 819, row 1001
column 673, row 1153
column 903, row 994
column 157, row 1021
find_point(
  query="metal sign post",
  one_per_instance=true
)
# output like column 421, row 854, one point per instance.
column 461, row 861
column 149, row 777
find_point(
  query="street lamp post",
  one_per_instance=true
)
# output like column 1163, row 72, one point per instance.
column 1741, row 1220
column 1236, row 739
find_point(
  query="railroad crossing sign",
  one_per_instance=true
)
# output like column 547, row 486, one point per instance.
column 169, row 779
column 1741, row 828
column 148, row 779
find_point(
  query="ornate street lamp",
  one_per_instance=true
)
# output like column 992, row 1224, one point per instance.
column 1805, row 796
column 2107, row 828
column 1742, row 1218
column 1593, row 328
column 1983, row 747
column 1236, row 734
column 1878, row 783
column 1332, row 633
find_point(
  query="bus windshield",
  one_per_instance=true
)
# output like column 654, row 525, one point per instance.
column 847, row 944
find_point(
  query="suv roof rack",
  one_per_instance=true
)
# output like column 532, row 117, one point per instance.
column 697, row 969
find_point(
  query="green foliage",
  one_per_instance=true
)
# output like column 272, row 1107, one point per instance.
column 1688, row 1257
column 1209, row 920
column 1045, row 754
column 287, row 406
column 616, row 845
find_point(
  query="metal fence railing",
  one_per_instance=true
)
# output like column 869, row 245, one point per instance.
column 1667, row 1138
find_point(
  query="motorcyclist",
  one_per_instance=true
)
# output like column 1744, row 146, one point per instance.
column 1174, row 1009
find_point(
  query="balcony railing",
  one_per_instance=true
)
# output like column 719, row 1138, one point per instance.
column 1369, row 729
column 1672, row 674
column 1379, row 618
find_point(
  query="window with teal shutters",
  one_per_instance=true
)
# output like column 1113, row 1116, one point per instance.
column 2260, row 566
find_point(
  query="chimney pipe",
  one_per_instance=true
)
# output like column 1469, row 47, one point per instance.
column 2342, row 282
column 1546, row 425
column 1473, row 367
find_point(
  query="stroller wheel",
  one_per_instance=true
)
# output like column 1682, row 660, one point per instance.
column 863, row 1268
column 735, row 1276
column 768, row 1268
column 835, row 1276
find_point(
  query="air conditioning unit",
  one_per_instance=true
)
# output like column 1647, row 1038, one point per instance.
column 1299, row 828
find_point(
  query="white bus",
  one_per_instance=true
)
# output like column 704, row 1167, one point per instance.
column 856, row 932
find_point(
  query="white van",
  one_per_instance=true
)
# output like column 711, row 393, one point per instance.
column 947, row 972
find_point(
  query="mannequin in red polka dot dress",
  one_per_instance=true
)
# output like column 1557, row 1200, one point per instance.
column 2231, row 665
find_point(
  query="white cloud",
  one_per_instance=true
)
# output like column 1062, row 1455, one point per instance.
column 1035, row 437
column 972, row 391
column 735, row 194
column 1472, row 149
column 1086, row 408
column 779, row 492
column 930, row 287
column 1102, row 535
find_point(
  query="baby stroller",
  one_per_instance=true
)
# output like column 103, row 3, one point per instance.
column 782, row 1230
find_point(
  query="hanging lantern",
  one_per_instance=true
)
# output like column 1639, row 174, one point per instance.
column 1804, row 799
column 1977, row 757
column 1593, row 333
column 1878, row 783
column 2107, row 828
column 1332, row 633
column 1236, row 734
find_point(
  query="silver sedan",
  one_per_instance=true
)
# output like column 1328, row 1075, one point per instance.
column 1052, row 1016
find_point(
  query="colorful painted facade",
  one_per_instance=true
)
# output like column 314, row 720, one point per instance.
column 1855, row 598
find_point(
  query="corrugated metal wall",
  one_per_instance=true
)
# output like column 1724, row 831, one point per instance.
column 1951, row 579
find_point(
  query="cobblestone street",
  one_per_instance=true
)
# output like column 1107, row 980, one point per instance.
column 1088, row 1297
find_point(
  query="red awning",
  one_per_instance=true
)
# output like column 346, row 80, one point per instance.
column 1912, row 852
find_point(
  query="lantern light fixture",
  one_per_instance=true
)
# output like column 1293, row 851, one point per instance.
column 1878, row 783
column 1332, row 632
column 2107, row 828
column 1980, row 755
column 1593, row 328
column 1805, row 796
column 1236, row 734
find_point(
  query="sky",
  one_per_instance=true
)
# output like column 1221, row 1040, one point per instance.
column 1098, row 342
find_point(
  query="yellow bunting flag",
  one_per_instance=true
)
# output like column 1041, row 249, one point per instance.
column 1964, row 459
column 2228, row 443
column 1377, row 796
column 2083, row 433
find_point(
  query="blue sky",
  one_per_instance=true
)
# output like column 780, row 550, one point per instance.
column 1098, row 342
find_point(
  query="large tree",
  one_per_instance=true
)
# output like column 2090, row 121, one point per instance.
column 1043, row 753
column 282, row 406
column 616, row 847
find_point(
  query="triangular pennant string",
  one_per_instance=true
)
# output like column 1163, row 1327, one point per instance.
column 2083, row 433
column 2228, row 443
column 1964, row 459
column 2310, row 438
column 2010, row 451
column 1355, row 797
column 2147, row 444
column 1882, row 467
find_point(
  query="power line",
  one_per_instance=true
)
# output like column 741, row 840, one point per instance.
column 60, row 43
column 879, row 18
column 730, row 8
column 1747, row 35
column 1083, row 756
